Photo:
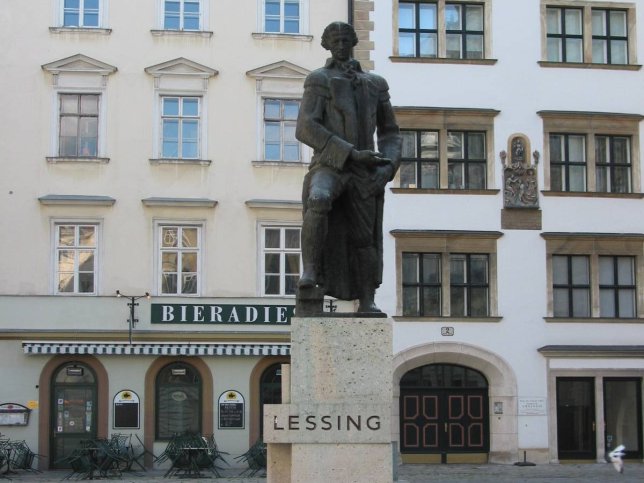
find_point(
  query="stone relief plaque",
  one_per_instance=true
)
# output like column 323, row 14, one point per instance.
column 520, row 186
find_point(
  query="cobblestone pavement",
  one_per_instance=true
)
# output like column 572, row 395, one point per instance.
column 490, row 473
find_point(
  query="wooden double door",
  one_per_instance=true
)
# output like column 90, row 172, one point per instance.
column 445, row 423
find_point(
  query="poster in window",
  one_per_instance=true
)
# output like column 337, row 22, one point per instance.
column 126, row 410
column 231, row 410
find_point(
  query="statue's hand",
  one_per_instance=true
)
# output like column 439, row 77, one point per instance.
column 369, row 158
column 382, row 175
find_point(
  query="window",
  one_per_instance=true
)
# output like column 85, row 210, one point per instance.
column 181, row 15
column 446, row 149
column 584, row 32
column 446, row 274
column 441, row 30
column 419, row 167
column 568, row 162
column 593, row 276
column 591, row 153
column 180, row 118
column 178, row 400
column 280, row 117
column 180, row 263
column 466, row 160
column 282, row 16
column 610, row 36
column 78, row 128
column 565, row 34
column 281, row 259
column 81, row 13
column 75, row 258
column 571, row 285
column 617, row 286
column 613, row 164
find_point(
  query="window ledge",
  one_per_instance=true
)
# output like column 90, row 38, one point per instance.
column 198, row 162
column 593, row 194
column 81, row 30
column 424, row 191
column 295, row 164
column 441, row 60
column 404, row 318
column 593, row 320
column 180, row 202
column 77, row 160
column 589, row 65
column 280, row 36
column 77, row 200
column 182, row 33
column 278, row 204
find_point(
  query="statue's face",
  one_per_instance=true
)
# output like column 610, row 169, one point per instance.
column 340, row 44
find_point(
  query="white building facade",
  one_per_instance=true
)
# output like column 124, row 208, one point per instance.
column 162, row 160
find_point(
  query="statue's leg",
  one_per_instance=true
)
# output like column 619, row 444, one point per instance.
column 322, row 189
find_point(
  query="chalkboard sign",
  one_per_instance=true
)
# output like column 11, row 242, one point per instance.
column 126, row 410
column 231, row 410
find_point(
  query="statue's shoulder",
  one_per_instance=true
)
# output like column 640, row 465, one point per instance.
column 317, row 82
column 378, row 81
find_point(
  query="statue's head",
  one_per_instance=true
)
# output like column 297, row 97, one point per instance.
column 335, row 29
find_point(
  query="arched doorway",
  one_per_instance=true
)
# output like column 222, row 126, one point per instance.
column 444, row 414
column 270, row 391
column 74, row 400
column 178, row 400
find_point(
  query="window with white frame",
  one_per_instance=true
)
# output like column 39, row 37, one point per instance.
column 589, row 32
column 180, row 127
column 440, row 29
column 182, row 15
column 75, row 258
column 78, row 125
column 179, row 259
column 280, row 118
column 282, row 16
column 591, row 152
column 81, row 13
column 281, row 259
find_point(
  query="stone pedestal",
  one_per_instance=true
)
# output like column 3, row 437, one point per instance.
column 337, row 423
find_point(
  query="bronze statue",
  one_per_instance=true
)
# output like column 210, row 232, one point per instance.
column 343, row 191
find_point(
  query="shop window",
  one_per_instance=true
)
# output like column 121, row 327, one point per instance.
column 178, row 400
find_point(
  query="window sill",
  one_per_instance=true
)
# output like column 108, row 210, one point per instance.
column 80, row 30
column 77, row 160
column 593, row 194
column 280, row 36
column 294, row 164
column 182, row 33
column 592, row 320
column 589, row 65
column 440, row 60
column 425, row 191
column 198, row 162
column 404, row 318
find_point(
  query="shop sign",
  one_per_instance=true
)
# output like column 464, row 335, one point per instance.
column 12, row 414
column 221, row 314
column 231, row 410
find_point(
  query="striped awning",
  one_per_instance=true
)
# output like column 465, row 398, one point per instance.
column 156, row 349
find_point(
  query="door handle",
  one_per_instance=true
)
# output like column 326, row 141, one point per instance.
column 593, row 426
column 446, row 427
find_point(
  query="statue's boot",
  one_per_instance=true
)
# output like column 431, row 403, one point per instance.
column 314, row 230
column 367, row 264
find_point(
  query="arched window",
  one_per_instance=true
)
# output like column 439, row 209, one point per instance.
column 270, row 390
column 443, row 376
column 178, row 400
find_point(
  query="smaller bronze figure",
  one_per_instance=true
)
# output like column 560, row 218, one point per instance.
column 343, row 192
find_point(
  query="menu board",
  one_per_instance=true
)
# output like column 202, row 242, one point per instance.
column 231, row 410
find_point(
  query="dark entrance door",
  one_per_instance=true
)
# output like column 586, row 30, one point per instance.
column 576, row 418
column 73, row 410
column 270, row 391
column 623, row 415
column 443, row 412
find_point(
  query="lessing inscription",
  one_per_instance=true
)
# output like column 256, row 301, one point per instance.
column 312, row 422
